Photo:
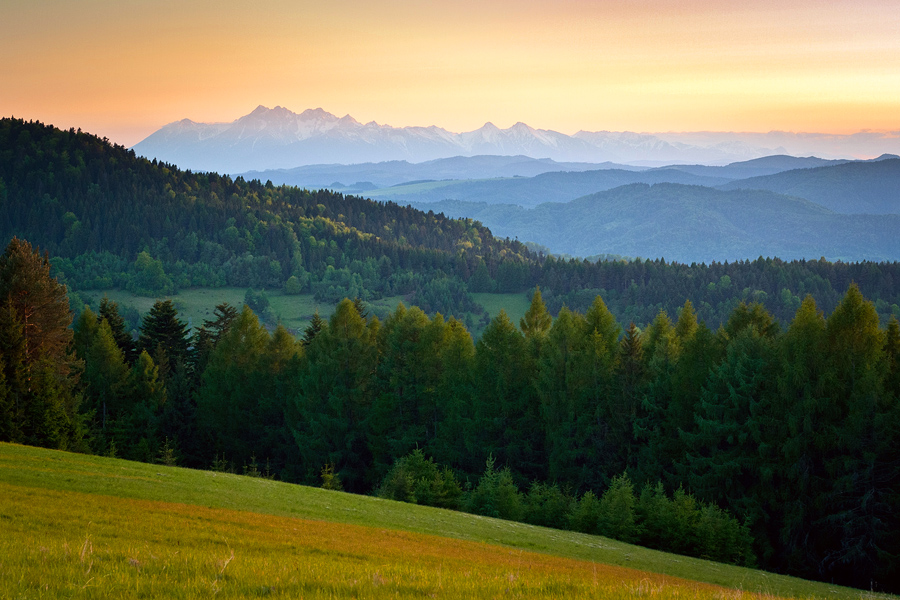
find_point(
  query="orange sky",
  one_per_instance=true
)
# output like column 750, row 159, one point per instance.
column 124, row 68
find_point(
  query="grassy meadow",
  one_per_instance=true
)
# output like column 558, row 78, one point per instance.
column 75, row 526
column 196, row 305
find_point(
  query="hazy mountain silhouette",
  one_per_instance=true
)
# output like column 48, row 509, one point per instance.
column 863, row 187
column 688, row 224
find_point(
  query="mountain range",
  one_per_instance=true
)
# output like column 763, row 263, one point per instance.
column 865, row 187
column 278, row 138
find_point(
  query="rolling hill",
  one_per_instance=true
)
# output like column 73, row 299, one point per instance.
column 691, row 224
column 861, row 187
column 531, row 191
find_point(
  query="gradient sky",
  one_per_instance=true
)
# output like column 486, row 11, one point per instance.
column 124, row 68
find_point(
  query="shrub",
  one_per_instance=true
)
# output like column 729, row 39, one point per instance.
column 330, row 479
column 548, row 506
column 417, row 479
column 496, row 495
column 616, row 518
column 585, row 516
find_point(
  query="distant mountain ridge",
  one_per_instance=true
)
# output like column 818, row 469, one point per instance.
column 865, row 187
column 278, row 138
column 688, row 224
column 395, row 172
column 861, row 187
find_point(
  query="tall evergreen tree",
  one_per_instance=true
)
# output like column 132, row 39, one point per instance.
column 35, row 346
column 660, row 449
column 537, row 321
column 456, row 439
column 603, row 422
column 335, row 396
column 802, row 408
column 105, row 378
column 507, row 412
column 162, row 332
column 408, row 373
column 109, row 310
column 728, row 457
column 555, row 385
column 631, row 382
column 855, row 506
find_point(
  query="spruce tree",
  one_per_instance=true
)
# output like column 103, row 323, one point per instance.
column 162, row 332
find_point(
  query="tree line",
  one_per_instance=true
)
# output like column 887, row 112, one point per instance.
column 793, row 431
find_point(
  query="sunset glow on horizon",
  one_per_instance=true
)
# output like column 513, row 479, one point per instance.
column 123, row 69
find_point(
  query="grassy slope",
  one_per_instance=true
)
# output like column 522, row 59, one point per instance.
column 116, row 547
column 25, row 467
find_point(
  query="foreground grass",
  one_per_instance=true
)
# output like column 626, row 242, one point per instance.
column 138, row 548
column 148, row 525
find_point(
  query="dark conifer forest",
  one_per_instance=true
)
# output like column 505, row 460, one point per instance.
column 745, row 412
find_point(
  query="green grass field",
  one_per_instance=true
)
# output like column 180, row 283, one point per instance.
column 196, row 305
column 92, row 527
column 515, row 305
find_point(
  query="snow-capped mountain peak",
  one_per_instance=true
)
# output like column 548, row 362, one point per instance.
column 271, row 138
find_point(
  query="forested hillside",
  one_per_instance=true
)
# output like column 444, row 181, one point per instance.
column 109, row 219
column 116, row 220
column 750, row 443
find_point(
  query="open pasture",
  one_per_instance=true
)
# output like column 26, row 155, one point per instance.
column 70, row 544
column 75, row 526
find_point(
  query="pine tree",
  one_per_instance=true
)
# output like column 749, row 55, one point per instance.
column 109, row 310
column 555, row 386
column 143, row 395
column 335, row 395
column 507, row 412
column 856, row 501
column 603, row 424
column 161, row 331
column 660, row 448
column 800, row 409
column 455, row 437
column 631, row 381
column 316, row 325
column 41, row 304
column 35, row 346
column 728, row 456
column 233, row 384
column 105, row 378
column 537, row 321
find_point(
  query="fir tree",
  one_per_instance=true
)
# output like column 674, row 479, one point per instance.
column 162, row 332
